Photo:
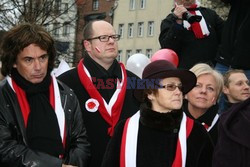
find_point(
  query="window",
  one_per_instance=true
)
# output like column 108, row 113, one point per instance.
column 95, row 4
column 142, row 4
column 128, row 53
column 138, row 51
column 140, row 29
column 48, row 7
column 149, row 53
column 150, row 28
column 120, row 30
column 119, row 57
column 58, row 6
column 66, row 29
column 132, row 5
column 65, row 7
column 56, row 27
column 130, row 30
column 46, row 27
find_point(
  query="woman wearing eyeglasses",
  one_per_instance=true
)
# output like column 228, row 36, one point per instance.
column 160, row 134
column 201, row 101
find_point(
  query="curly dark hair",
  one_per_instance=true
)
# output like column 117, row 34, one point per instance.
column 21, row 36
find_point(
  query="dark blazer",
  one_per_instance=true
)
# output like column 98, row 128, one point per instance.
column 95, row 124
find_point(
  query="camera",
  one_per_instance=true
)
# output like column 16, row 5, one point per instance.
column 191, row 18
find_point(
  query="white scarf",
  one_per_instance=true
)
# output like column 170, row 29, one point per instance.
column 130, row 135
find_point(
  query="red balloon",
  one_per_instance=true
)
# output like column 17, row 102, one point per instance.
column 166, row 54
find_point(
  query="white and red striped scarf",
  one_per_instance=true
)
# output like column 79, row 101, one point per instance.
column 110, row 112
column 55, row 101
column 130, row 135
column 199, row 28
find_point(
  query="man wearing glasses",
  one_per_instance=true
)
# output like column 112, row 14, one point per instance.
column 100, row 83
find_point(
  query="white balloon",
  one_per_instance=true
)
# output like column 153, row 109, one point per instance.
column 136, row 63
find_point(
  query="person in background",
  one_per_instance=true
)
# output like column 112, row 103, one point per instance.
column 236, row 88
column 160, row 134
column 102, row 86
column 233, row 52
column 40, row 117
column 201, row 101
column 194, row 40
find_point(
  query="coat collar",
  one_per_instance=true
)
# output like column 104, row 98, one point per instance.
column 161, row 121
column 207, row 117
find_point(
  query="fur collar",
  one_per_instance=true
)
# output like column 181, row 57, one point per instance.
column 161, row 121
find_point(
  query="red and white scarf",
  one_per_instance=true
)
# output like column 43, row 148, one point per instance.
column 55, row 101
column 207, row 127
column 110, row 112
column 199, row 28
column 130, row 135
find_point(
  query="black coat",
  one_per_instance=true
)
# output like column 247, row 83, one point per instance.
column 233, row 146
column 156, row 143
column 234, row 49
column 206, row 118
column 95, row 124
column 189, row 49
column 14, row 150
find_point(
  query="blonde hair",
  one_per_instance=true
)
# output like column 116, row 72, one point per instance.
column 203, row 68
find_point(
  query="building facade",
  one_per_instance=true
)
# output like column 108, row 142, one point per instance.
column 138, row 23
column 62, row 28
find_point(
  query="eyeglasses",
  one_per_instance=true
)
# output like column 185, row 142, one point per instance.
column 172, row 87
column 105, row 38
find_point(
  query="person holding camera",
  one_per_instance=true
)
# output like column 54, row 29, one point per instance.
column 193, row 32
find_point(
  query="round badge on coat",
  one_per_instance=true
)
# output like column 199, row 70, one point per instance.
column 92, row 105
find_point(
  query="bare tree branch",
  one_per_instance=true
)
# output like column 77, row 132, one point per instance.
column 40, row 12
column 54, row 15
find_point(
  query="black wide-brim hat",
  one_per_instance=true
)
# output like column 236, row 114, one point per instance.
column 161, row 69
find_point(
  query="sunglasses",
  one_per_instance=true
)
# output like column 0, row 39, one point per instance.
column 172, row 87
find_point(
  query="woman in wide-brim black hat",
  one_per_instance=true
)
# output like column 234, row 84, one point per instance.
column 160, row 134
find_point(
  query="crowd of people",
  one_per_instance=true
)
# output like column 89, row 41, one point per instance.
column 193, row 115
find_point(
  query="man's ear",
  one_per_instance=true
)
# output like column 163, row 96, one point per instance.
column 87, row 45
column 225, row 90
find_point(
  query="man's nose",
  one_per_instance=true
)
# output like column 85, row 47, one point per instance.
column 37, row 64
column 246, row 85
